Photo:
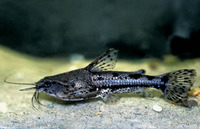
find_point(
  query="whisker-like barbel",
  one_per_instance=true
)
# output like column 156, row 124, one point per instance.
column 18, row 83
column 26, row 89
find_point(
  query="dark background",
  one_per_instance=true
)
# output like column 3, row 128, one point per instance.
column 138, row 28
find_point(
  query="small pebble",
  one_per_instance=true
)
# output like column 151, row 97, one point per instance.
column 194, row 91
column 98, row 113
column 157, row 108
column 198, row 97
column 190, row 103
column 3, row 107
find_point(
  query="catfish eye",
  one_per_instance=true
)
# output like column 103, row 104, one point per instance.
column 47, row 83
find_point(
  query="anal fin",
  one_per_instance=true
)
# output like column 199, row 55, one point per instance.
column 110, row 98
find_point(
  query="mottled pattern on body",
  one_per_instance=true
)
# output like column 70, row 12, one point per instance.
column 96, row 80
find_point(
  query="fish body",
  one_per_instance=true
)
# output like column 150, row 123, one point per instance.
column 96, row 80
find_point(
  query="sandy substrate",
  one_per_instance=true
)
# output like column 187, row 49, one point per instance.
column 131, row 111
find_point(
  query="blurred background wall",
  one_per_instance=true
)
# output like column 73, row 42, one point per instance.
column 138, row 28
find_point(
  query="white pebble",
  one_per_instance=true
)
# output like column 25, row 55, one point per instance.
column 3, row 107
column 157, row 108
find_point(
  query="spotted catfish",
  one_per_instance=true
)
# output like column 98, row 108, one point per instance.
column 96, row 80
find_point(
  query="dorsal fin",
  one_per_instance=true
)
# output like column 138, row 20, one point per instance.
column 104, row 62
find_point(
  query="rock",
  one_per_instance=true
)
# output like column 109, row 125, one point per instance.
column 157, row 108
column 3, row 107
column 190, row 103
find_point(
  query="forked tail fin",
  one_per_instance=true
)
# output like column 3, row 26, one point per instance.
column 179, row 83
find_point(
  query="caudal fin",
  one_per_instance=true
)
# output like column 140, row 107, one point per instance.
column 179, row 83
